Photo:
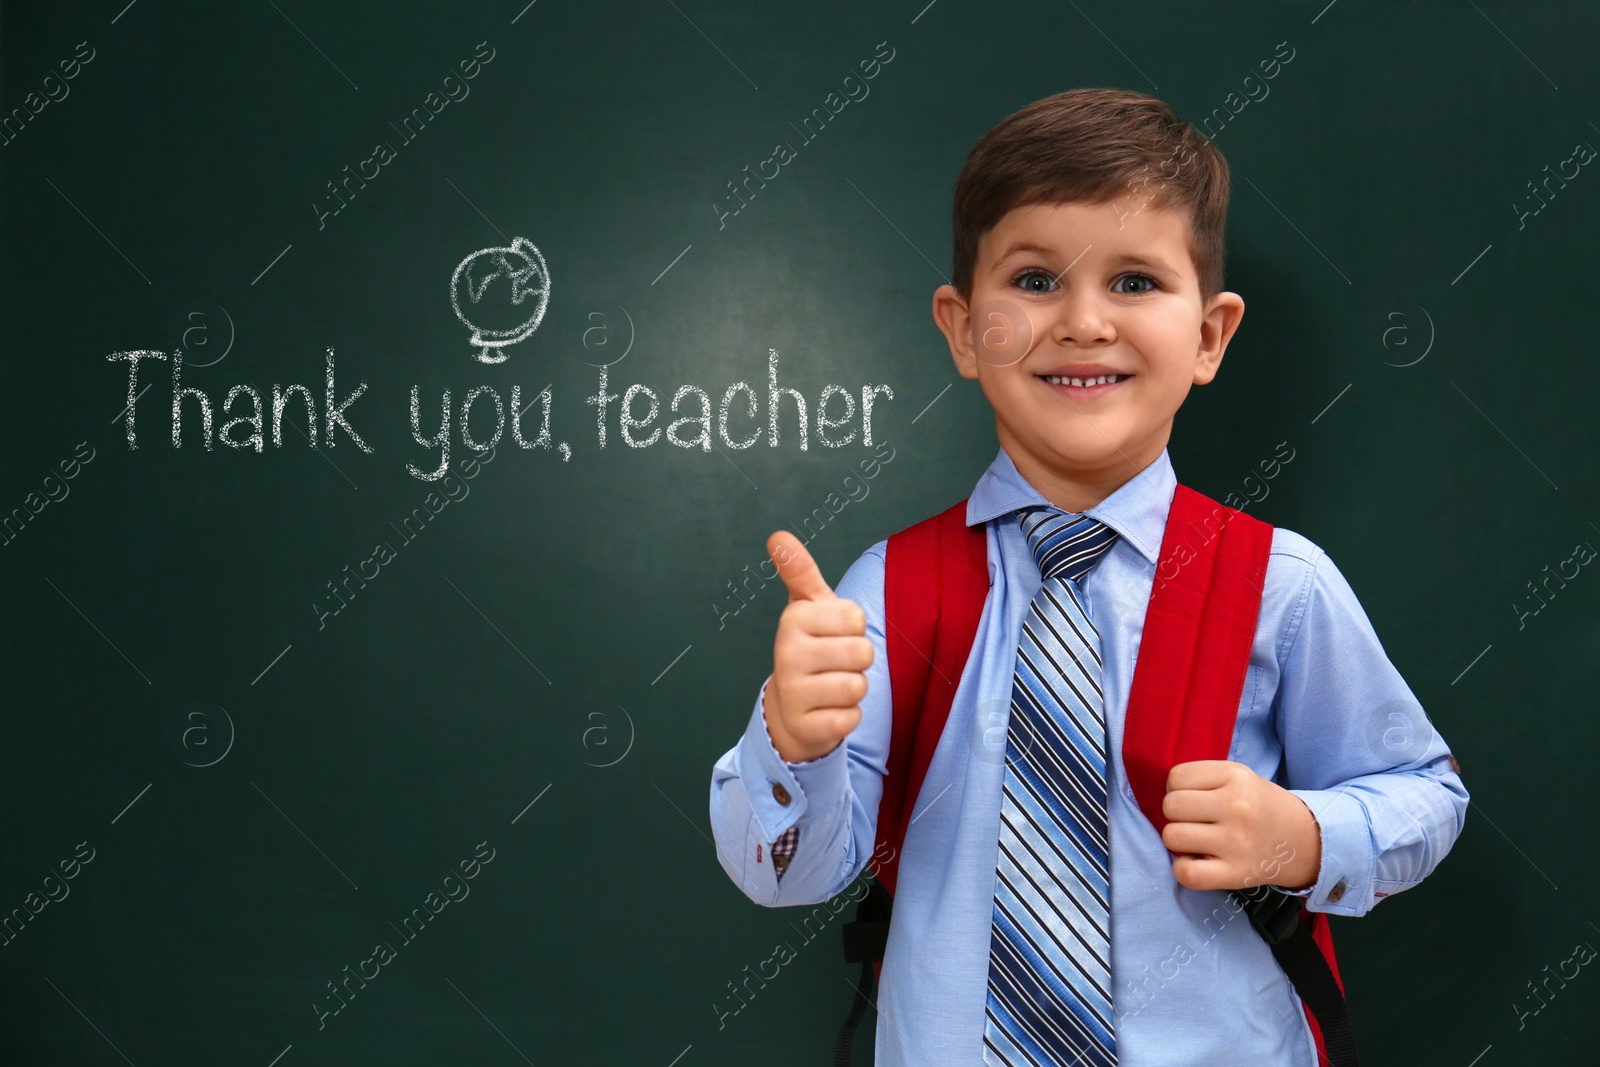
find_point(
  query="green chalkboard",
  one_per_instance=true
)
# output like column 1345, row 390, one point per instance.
column 289, row 710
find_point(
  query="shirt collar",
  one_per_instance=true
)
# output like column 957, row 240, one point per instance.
column 1137, row 510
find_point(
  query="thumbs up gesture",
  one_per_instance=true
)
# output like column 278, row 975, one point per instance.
column 819, row 659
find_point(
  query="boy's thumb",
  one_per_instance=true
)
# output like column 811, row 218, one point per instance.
column 796, row 567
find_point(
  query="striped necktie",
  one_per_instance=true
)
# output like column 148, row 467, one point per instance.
column 1049, row 995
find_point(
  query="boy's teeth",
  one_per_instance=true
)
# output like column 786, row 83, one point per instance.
column 1055, row 379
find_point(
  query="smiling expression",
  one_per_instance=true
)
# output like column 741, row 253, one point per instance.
column 1085, row 290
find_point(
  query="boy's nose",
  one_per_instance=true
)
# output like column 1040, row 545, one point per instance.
column 1083, row 321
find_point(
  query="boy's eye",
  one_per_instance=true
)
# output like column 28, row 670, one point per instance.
column 1139, row 277
column 1034, row 280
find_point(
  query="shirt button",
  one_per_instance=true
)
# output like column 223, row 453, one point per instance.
column 780, row 794
column 1337, row 892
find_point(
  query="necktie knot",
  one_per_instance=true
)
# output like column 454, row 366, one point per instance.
column 1065, row 545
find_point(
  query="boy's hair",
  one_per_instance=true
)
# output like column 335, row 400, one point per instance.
column 1097, row 146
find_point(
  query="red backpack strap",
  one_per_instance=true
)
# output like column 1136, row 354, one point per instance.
column 1199, row 626
column 936, row 579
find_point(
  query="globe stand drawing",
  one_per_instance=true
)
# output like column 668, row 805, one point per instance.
column 523, row 269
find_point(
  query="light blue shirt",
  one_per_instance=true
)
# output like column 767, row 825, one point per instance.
column 1323, row 713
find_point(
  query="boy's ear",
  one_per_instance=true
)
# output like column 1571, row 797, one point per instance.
column 954, row 319
column 1217, row 326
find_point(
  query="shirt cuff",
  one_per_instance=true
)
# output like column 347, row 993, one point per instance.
column 783, row 850
column 1344, row 880
column 784, row 794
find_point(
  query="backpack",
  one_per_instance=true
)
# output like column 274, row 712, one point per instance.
column 935, row 586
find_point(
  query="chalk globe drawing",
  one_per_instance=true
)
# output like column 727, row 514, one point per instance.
column 504, row 313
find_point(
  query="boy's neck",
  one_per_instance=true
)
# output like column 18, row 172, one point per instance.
column 1078, row 489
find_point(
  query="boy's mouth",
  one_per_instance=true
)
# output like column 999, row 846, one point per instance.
column 1083, row 388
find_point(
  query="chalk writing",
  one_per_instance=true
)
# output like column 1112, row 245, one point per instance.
column 629, row 425
column 333, row 411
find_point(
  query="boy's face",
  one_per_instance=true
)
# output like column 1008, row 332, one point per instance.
column 1085, row 290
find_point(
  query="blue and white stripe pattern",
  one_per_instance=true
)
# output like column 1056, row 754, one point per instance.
column 1049, row 996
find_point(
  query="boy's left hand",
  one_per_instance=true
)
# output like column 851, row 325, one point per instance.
column 1237, row 830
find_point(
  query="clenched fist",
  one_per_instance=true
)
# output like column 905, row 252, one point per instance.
column 1235, row 829
column 819, row 659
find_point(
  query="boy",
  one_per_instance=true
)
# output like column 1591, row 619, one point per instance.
column 1088, row 234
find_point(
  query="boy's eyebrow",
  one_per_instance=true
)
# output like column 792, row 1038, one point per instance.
column 1149, row 262
column 1023, row 246
column 1126, row 259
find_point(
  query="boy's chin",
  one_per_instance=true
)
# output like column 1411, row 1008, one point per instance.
column 1080, row 438
column 1071, row 460
column 1075, row 454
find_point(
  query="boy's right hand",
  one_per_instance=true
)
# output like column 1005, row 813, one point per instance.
column 819, row 660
